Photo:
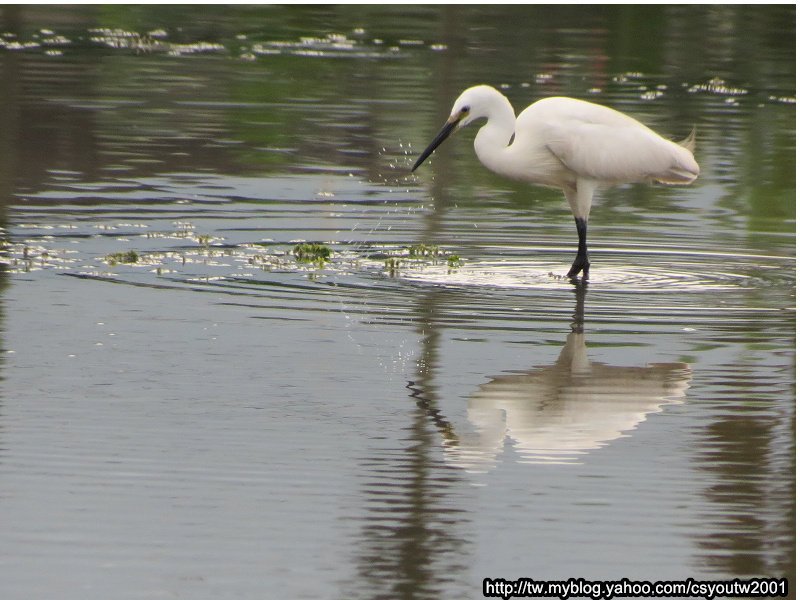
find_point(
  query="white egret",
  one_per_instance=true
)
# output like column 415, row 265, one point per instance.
column 570, row 144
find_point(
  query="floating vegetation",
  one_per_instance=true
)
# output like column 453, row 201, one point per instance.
column 392, row 266
column 127, row 258
column 332, row 44
column 317, row 254
column 116, row 39
column 122, row 39
column 423, row 251
column 651, row 94
column 454, row 261
column 420, row 254
column 182, row 252
column 24, row 257
column 196, row 48
column 717, row 85
column 157, row 40
column 627, row 76
column 204, row 241
column 15, row 46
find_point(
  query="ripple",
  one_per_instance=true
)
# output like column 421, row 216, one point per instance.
column 371, row 281
column 615, row 271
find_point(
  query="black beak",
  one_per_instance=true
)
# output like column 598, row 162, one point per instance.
column 448, row 128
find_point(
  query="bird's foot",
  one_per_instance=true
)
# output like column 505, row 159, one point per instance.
column 581, row 264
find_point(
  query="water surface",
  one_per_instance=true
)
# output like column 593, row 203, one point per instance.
column 188, row 411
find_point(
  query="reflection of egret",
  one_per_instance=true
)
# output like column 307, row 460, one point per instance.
column 569, row 144
column 557, row 413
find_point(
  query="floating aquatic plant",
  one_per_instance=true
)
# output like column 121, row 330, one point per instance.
column 454, row 261
column 130, row 257
column 420, row 253
column 392, row 266
column 423, row 251
column 312, row 253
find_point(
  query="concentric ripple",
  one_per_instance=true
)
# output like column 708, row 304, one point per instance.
column 663, row 271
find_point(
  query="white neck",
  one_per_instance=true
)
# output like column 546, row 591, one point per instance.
column 494, row 137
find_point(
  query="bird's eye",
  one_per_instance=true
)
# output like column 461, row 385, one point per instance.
column 464, row 109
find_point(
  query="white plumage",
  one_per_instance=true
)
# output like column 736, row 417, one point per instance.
column 570, row 144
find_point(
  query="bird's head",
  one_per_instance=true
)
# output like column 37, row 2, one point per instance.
column 472, row 104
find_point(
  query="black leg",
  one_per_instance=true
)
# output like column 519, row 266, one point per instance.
column 582, row 259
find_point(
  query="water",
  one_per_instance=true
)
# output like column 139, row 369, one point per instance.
column 188, row 411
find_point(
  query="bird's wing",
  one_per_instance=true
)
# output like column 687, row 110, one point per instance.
column 618, row 151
